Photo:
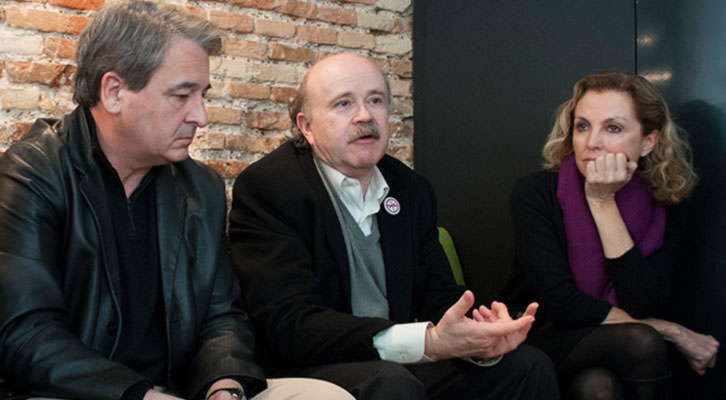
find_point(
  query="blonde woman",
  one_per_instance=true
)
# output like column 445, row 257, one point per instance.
column 595, row 245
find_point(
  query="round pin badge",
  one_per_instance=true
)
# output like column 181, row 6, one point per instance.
column 392, row 205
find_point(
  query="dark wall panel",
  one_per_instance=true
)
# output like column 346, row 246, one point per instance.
column 681, row 49
column 488, row 76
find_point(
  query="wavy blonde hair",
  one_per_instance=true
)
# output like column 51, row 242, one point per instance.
column 667, row 168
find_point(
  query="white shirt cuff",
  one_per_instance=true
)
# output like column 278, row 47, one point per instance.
column 402, row 343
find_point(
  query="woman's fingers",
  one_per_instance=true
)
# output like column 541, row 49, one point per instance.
column 607, row 174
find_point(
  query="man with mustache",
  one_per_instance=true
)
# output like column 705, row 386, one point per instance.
column 337, row 251
column 114, row 273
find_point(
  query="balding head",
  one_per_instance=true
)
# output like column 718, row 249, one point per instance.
column 301, row 104
column 343, row 114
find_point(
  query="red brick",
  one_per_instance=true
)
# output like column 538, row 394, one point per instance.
column 211, row 140
column 227, row 169
column 316, row 35
column 402, row 26
column 258, row 4
column 402, row 129
column 224, row 115
column 402, row 106
column 249, row 91
column 394, row 44
column 216, row 91
column 244, row 48
column 195, row 11
column 356, row 40
column 239, row 22
column 382, row 63
column 268, row 120
column 400, row 87
column 319, row 55
column 19, row 129
column 402, row 68
column 282, row 52
column 297, row 8
column 253, row 144
column 60, row 47
column 46, row 21
column 339, row 16
column 276, row 73
column 403, row 153
column 79, row 4
column 283, row 94
column 274, row 28
column 76, row 24
column 53, row 75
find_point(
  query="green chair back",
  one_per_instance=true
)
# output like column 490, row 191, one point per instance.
column 448, row 244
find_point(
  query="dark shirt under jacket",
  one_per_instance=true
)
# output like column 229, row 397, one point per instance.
column 542, row 270
column 143, row 339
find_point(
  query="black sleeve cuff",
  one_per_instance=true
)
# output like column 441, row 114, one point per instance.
column 251, row 386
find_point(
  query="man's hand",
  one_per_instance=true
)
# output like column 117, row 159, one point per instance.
column 490, row 334
column 222, row 394
column 499, row 312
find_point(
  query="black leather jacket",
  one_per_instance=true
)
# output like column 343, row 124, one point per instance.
column 59, row 280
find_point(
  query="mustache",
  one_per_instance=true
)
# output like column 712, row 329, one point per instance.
column 185, row 131
column 368, row 129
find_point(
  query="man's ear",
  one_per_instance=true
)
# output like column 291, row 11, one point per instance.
column 303, row 123
column 111, row 92
column 649, row 141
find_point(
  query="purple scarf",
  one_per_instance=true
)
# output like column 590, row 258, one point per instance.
column 644, row 218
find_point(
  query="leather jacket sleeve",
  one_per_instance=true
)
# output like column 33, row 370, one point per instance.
column 210, row 336
column 227, row 340
column 38, row 348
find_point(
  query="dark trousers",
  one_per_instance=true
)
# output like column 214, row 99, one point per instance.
column 525, row 373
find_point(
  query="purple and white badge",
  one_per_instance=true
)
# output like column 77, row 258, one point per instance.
column 392, row 205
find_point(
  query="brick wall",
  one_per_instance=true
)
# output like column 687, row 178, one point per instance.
column 267, row 47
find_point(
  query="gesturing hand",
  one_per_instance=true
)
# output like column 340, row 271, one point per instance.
column 606, row 175
column 490, row 334
column 499, row 312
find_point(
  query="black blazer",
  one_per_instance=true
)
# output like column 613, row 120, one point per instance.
column 289, row 251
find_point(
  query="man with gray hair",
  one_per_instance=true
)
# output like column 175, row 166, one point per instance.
column 114, row 272
column 337, row 251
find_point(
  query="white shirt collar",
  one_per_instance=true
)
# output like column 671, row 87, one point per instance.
column 350, row 192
